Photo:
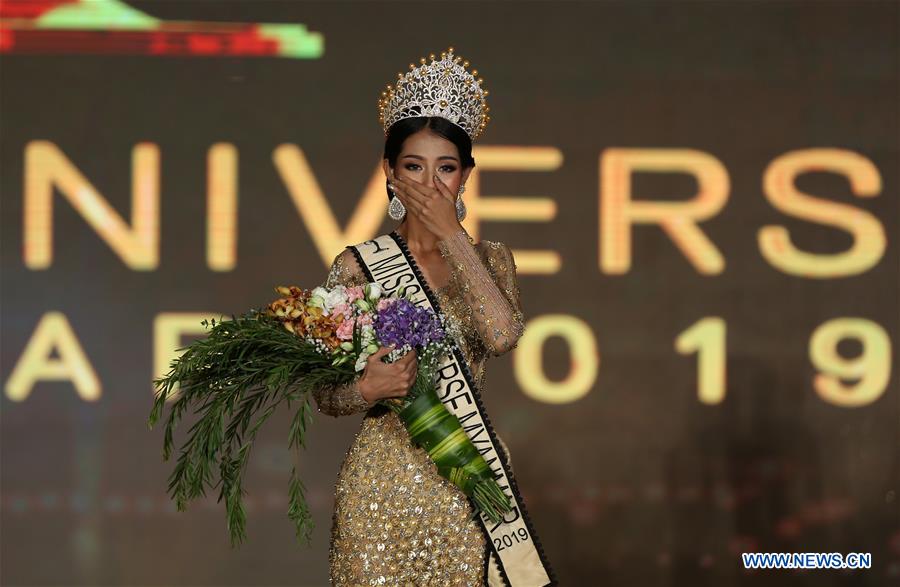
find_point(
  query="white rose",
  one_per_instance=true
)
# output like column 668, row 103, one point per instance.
column 373, row 291
column 336, row 296
column 317, row 298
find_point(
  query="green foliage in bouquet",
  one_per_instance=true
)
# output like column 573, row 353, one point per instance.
column 237, row 376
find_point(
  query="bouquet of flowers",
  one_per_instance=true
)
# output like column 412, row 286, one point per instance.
column 247, row 366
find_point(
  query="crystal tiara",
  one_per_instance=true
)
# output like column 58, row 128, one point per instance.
column 441, row 88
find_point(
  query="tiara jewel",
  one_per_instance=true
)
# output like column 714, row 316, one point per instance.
column 442, row 88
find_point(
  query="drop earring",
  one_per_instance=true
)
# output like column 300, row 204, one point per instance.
column 460, row 205
column 396, row 209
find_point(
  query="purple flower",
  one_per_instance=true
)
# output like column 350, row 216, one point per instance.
column 403, row 323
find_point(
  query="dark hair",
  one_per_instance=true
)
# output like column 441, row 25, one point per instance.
column 403, row 128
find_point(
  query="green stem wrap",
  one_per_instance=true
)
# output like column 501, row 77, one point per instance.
column 432, row 427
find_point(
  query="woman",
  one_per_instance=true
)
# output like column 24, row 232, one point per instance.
column 396, row 520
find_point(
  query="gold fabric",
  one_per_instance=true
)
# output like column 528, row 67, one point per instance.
column 396, row 520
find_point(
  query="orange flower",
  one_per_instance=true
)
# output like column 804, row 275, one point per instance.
column 290, row 307
column 304, row 320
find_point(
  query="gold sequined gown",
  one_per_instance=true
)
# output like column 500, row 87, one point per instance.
column 396, row 520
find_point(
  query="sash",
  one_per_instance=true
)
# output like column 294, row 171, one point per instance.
column 515, row 555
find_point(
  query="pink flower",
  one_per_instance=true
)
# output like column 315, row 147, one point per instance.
column 384, row 303
column 343, row 308
column 354, row 293
column 364, row 319
column 345, row 329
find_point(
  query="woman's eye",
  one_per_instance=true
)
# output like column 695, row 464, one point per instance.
column 444, row 168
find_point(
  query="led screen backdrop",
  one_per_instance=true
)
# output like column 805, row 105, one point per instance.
column 702, row 201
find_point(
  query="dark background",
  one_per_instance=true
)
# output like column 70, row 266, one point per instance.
column 637, row 482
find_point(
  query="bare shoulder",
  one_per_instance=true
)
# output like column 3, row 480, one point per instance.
column 345, row 259
column 345, row 269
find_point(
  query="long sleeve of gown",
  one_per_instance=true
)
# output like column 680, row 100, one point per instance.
column 342, row 400
column 486, row 277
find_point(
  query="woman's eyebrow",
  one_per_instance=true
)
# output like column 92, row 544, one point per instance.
column 423, row 158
